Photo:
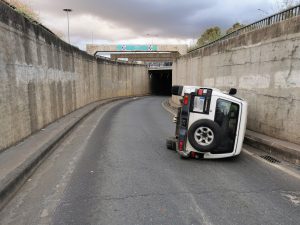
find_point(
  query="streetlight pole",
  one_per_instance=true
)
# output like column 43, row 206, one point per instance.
column 263, row 11
column 68, row 11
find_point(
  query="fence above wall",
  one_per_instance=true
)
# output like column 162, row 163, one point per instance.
column 275, row 18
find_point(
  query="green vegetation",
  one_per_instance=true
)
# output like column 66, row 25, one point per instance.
column 209, row 35
column 29, row 13
column 234, row 27
column 24, row 9
column 213, row 33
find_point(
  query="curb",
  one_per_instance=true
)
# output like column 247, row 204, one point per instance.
column 279, row 149
column 14, row 180
column 166, row 105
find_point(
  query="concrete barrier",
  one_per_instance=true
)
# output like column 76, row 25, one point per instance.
column 42, row 78
column 264, row 65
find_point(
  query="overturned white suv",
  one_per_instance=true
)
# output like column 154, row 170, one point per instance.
column 209, row 123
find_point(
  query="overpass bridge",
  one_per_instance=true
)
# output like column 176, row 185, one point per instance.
column 145, row 53
column 158, row 58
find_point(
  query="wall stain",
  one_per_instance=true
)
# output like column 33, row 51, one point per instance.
column 32, row 106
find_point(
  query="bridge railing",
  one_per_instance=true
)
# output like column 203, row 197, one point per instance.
column 158, row 64
column 275, row 18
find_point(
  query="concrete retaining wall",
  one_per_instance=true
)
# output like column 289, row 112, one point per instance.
column 42, row 78
column 265, row 67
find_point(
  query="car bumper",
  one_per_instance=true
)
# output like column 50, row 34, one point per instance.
column 207, row 155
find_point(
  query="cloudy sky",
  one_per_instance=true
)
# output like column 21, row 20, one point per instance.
column 146, row 21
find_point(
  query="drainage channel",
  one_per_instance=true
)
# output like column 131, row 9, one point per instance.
column 270, row 159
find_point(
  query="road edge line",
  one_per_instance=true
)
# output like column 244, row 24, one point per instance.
column 10, row 185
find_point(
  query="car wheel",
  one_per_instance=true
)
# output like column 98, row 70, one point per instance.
column 204, row 135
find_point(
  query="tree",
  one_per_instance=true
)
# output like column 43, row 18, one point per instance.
column 234, row 27
column 285, row 4
column 209, row 35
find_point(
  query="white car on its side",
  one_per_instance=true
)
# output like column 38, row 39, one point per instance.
column 209, row 123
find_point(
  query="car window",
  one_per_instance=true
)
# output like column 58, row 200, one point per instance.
column 226, row 116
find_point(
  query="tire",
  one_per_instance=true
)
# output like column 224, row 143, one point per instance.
column 171, row 143
column 204, row 135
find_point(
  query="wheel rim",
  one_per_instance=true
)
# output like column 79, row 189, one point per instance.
column 204, row 136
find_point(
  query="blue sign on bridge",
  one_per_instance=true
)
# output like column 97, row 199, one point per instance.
column 144, row 48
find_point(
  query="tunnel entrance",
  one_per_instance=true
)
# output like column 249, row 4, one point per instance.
column 160, row 82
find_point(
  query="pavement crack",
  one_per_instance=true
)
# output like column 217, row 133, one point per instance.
column 132, row 196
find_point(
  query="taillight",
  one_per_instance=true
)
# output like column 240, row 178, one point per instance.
column 180, row 145
column 185, row 99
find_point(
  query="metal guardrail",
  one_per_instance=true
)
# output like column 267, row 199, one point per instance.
column 158, row 64
column 160, row 68
column 275, row 18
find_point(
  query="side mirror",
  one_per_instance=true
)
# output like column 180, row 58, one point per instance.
column 232, row 91
column 177, row 90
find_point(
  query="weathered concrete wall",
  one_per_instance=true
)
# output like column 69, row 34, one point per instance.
column 42, row 78
column 265, row 67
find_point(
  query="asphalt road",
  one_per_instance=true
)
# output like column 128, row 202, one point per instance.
column 114, row 169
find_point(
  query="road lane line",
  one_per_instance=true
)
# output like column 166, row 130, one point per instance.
column 277, row 166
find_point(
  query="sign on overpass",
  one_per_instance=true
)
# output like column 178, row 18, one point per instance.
column 94, row 49
column 136, row 48
column 138, row 52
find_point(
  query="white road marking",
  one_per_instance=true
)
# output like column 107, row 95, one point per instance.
column 205, row 220
column 277, row 166
column 293, row 197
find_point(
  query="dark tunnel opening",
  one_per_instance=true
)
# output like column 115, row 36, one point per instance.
column 160, row 82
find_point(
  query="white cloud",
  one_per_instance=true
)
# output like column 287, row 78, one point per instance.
column 167, row 21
